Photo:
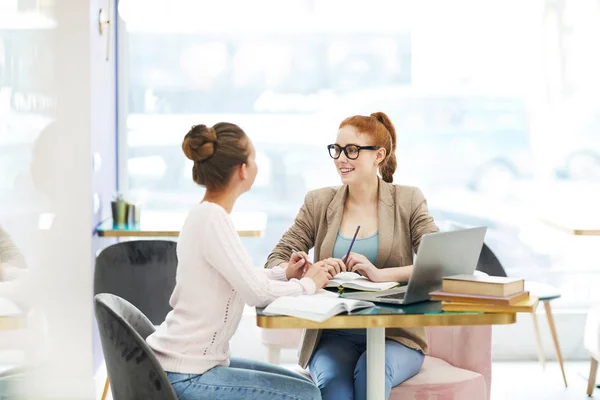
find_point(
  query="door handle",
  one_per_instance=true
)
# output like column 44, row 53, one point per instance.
column 105, row 22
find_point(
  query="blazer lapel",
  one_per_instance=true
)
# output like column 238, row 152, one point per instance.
column 386, row 221
column 335, row 210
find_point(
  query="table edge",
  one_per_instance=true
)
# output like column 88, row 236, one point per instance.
column 148, row 233
column 387, row 321
column 570, row 230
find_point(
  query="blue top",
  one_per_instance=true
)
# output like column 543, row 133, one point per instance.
column 368, row 246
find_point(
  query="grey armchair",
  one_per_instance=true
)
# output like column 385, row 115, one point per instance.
column 489, row 263
column 140, row 271
column 132, row 367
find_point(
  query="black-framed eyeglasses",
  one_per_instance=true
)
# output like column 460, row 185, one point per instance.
column 351, row 150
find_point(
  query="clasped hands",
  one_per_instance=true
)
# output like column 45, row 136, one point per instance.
column 299, row 266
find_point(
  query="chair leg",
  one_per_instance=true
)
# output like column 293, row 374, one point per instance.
column 592, row 377
column 555, row 338
column 274, row 355
column 105, row 392
column 538, row 340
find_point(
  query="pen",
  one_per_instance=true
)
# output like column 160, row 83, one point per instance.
column 296, row 251
column 351, row 244
column 305, row 258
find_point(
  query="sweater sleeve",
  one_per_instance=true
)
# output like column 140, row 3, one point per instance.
column 277, row 273
column 225, row 252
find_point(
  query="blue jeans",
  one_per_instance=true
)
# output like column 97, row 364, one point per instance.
column 244, row 379
column 339, row 364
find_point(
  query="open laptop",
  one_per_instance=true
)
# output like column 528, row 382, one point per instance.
column 440, row 254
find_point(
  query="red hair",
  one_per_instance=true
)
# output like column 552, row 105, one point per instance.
column 381, row 129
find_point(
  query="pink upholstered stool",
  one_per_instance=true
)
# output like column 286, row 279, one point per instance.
column 458, row 366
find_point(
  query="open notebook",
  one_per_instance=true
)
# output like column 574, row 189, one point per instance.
column 318, row 307
column 352, row 280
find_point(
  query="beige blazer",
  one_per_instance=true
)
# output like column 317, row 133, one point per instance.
column 403, row 220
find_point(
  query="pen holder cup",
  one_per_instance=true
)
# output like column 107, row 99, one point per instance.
column 120, row 211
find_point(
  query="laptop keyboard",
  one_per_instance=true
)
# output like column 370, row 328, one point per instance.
column 398, row 296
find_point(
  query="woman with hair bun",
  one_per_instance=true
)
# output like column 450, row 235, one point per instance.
column 215, row 278
column 392, row 220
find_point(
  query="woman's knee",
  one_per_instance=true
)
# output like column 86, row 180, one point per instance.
column 326, row 377
column 360, row 369
column 325, row 368
column 336, row 388
column 333, row 381
column 360, row 372
column 402, row 363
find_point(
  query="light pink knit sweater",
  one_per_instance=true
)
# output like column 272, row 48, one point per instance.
column 215, row 278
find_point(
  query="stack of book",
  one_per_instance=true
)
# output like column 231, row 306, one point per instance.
column 484, row 294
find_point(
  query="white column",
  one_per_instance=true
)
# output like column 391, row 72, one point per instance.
column 56, row 51
column 61, row 166
column 375, row 363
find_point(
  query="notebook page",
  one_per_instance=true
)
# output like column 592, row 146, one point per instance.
column 352, row 280
column 370, row 286
column 316, row 307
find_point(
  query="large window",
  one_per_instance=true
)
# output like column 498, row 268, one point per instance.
column 491, row 101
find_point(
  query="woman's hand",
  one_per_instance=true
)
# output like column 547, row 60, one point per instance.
column 319, row 274
column 359, row 263
column 334, row 266
column 297, row 265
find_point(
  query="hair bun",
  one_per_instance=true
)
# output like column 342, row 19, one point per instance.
column 385, row 121
column 200, row 143
column 378, row 116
